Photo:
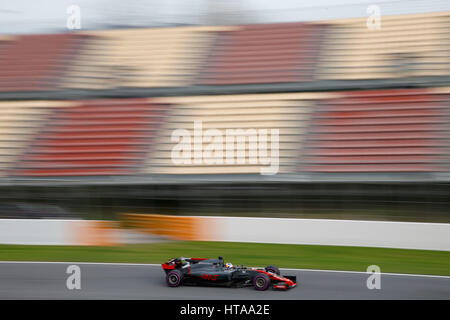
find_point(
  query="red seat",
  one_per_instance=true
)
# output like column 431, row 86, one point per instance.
column 73, row 172
column 274, row 53
column 378, row 131
column 35, row 62
column 374, row 168
column 106, row 139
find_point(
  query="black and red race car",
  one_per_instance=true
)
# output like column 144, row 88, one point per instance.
column 200, row 271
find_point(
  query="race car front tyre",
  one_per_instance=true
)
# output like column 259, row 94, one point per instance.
column 273, row 269
column 174, row 278
column 261, row 282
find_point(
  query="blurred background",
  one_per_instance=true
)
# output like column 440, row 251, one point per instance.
column 90, row 95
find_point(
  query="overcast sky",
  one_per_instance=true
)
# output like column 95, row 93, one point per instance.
column 39, row 16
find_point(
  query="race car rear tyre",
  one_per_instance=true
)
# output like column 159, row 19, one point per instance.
column 174, row 278
column 273, row 269
column 261, row 282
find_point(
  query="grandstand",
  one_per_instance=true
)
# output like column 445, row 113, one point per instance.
column 100, row 137
column 289, row 113
column 405, row 46
column 147, row 58
column 396, row 130
column 272, row 53
column 326, row 55
column 380, row 131
column 20, row 121
column 35, row 63
column 352, row 105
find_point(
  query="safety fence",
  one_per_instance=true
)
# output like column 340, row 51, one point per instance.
column 409, row 235
column 433, row 236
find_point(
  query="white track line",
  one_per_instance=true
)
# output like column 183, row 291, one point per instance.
column 158, row 265
column 362, row 272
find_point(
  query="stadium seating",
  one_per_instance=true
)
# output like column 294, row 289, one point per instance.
column 365, row 131
column 263, row 53
column 99, row 137
column 404, row 46
column 379, row 131
column 19, row 122
column 397, row 130
column 158, row 57
column 287, row 112
column 35, row 62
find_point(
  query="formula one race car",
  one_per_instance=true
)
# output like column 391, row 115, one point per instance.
column 199, row 271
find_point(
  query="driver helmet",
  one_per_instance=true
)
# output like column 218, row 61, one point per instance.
column 228, row 265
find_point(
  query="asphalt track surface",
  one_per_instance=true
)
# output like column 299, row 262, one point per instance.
column 23, row 280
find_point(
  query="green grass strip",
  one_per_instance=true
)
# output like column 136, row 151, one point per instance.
column 250, row 254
